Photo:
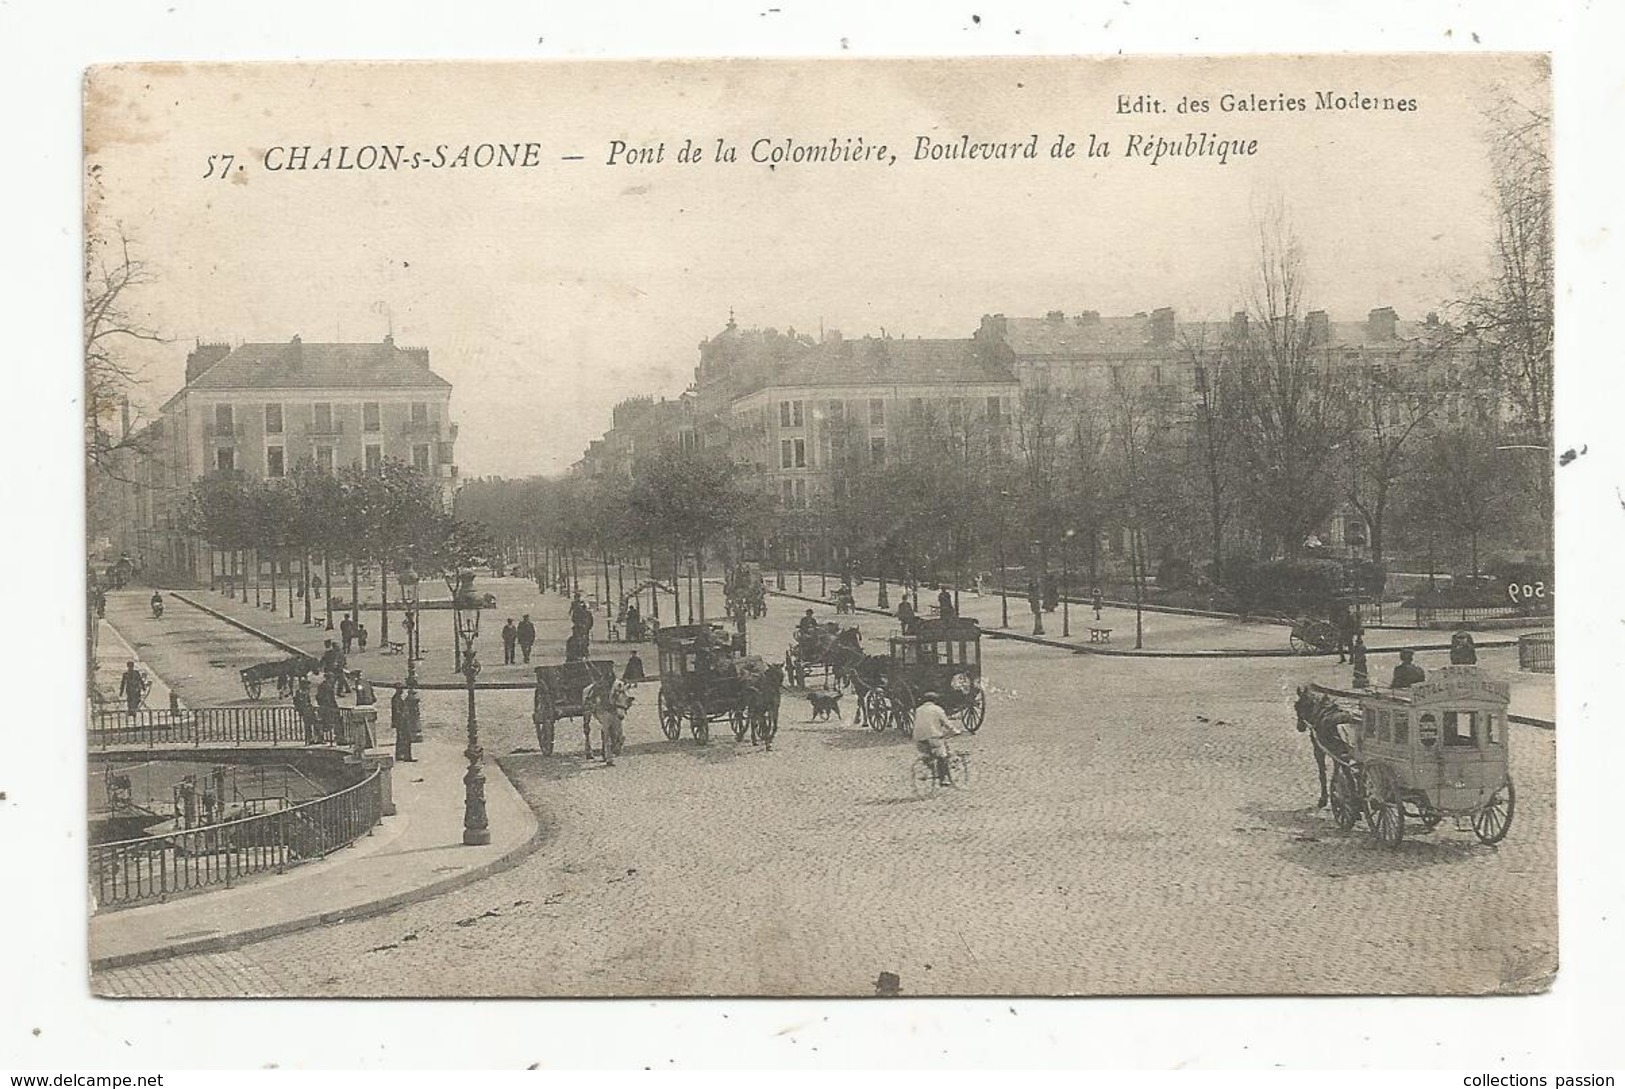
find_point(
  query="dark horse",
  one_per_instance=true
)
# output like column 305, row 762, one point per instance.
column 762, row 705
column 1323, row 718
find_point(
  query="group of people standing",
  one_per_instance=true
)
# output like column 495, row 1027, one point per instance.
column 908, row 618
column 579, row 644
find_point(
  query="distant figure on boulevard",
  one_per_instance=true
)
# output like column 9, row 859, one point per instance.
column 157, row 604
column 305, row 706
column 1462, row 649
column 945, row 604
column 361, row 638
column 347, row 634
column 1098, row 599
column 401, row 709
column 510, row 638
column 1362, row 675
column 634, row 669
column 526, row 634
column 932, row 729
column 1407, row 672
column 327, row 710
column 1036, row 604
column 809, row 623
column 132, row 686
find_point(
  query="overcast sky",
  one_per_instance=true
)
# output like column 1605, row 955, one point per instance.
column 545, row 295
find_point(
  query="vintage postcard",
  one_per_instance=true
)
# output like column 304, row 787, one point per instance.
column 1065, row 526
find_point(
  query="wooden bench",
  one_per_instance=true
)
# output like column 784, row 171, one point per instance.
column 1100, row 635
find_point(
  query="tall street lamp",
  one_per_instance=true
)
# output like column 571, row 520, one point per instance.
column 1066, row 576
column 1037, row 583
column 409, row 599
column 476, row 827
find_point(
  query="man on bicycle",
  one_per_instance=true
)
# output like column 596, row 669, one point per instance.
column 932, row 729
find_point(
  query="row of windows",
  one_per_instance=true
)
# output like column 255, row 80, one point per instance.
column 794, row 413
column 321, row 417
column 276, row 458
column 1462, row 729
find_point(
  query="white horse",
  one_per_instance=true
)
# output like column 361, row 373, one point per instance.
column 609, row 708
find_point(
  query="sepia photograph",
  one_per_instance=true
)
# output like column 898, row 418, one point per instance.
column 1027, row 526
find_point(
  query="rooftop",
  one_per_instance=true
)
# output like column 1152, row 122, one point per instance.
column 297, row 365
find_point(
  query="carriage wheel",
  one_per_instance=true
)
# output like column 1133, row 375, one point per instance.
column 253, row 688
column 699, row 725
column 876, row 710
column 740, row 723
column 764, row 725
column 671, row 719
column 1385, row 813
column 902, row 708
column 1300, row 645
column 974, row 712
column 1492, row 823
column 1345, row 798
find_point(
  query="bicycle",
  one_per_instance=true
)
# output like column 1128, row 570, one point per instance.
column 925, row 780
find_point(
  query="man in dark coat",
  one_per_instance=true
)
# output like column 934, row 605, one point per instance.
column 1407, row 672
column 905, row 615
column 634, row 669
column 1462, row 650
column 132, row 686
column 327, row 708
column 945, row 604
column 347, row 634
column 526, row 634
column 510, row 636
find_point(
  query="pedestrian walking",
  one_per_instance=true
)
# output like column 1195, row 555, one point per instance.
column 1036, row 603
column 1098, row 600
column 1362, row 675
column 525, row 633
column 905, row 615
column 132, row 685
column 361, row 638
column 347, row 634
column 305, row 706
column 510, row 639
column 327, row 710
column 634, row 669
column 945, row 604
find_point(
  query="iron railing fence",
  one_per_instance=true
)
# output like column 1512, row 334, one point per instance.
column 158, row 866
column 270, row 725
column 1431, row 615
column 1537, row 652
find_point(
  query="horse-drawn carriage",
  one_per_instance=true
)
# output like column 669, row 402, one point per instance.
column 941, row 656
column 828, row 652
column 706, row 677
column 285, row 672
column 1435, row 750
column 559, row 691
column 743, row 593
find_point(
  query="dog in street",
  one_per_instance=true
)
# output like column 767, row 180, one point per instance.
column 825, row 704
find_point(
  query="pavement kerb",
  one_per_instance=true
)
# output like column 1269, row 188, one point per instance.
column 223, row 942
column 239, row 625
column 1285, row 652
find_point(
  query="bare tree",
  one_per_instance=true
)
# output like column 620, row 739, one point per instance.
column 1511, row 315
column 112, row 276
column 1211, row 436
column 1284, row 401
column 1387, row 417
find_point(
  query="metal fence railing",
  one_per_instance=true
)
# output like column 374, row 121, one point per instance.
column 269, row 725
column 168, row 863
column 1426, row 616
column 1537, row 652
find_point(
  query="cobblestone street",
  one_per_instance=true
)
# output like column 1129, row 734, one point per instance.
column 1132, row 827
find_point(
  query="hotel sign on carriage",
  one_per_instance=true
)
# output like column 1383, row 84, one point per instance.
column 1451, row 683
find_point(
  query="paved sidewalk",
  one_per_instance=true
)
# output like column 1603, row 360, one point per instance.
column 411, row 856
column 112, row 652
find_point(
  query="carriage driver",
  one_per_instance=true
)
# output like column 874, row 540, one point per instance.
column 932, row 728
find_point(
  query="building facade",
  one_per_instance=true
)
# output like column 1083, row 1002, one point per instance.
column 263, row 409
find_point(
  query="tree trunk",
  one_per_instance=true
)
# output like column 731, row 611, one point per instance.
column 327, row 587
column 383, row 603
column 355, row 592
column 699, row 576
column 273, row 582
column 304, row 573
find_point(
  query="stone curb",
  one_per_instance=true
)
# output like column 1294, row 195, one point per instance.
column 994, row 633
column 224, row 942
column 239, row 625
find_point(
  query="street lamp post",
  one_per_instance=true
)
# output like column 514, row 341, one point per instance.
column 1066, row 576
column 1037, row 582
column 1004, row 592
column 476, row 826
column 409, row 599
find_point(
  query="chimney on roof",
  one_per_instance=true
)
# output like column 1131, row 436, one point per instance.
column 1318, row 326
column 1055, row 316
column 1089, row 317
column 1433, row 318
column 1382, row 324
column 1162, row 325
column 1238, row 325
column 993, row 327
column 389, row 339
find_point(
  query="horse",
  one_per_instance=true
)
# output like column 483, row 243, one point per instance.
column 1323, row 718
column 762, row 704
column 609, row 706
